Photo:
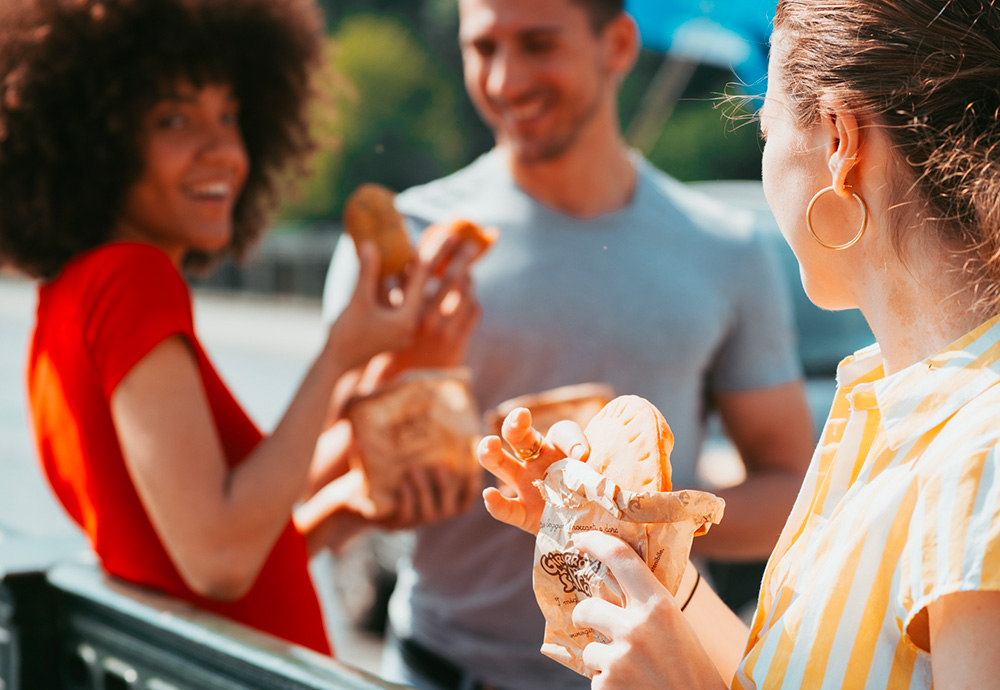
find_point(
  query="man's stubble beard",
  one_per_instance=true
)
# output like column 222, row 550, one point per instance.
column 556, row 147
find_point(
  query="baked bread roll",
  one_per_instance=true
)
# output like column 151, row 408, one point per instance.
column 630, row 443
column 578, row 402
column 370, row 215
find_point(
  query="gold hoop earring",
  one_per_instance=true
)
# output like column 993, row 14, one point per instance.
column 849, row 243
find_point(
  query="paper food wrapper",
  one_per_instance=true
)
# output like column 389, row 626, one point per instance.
column 658, row 525
column 426, row 417
column 578, row 402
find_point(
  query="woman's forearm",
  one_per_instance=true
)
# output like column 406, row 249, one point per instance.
column 721, row 632
column 217, row 523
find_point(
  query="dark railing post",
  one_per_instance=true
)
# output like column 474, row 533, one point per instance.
column 117, row 636
column 29, row 610
column 66, row 625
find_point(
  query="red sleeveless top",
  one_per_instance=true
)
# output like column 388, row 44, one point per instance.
column 106, row 310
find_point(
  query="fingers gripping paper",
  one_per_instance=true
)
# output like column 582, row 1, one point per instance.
column 427, row 417
column 624, row 490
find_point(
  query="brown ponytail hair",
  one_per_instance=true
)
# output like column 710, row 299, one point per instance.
column 928, row 71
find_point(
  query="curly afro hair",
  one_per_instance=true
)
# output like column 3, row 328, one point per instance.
column 77, row 77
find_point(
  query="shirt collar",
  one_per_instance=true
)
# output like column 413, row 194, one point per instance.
column 922, row 396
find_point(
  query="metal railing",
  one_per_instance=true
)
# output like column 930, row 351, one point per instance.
column 69, row 626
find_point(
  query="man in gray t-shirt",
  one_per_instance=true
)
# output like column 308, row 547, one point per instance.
column 606, row 270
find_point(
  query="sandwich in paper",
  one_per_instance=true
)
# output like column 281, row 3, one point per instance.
column 623, row 489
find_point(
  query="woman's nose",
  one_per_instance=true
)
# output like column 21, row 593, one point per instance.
column 224, row 143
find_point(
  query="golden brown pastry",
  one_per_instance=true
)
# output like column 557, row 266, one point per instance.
column 370, row 215
column 630, row 443
column 578, row 402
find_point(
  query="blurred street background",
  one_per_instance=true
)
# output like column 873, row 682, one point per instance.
column 395, row 111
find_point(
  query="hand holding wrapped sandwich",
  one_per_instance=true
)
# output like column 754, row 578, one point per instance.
column 521, row 504
column 623, row 489
column 399, row 450
column 412, row 408
column 647, row 642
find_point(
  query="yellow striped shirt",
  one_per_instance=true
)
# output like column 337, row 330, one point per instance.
column 900, row 506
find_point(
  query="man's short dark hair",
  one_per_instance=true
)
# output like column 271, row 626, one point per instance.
column 601, row 11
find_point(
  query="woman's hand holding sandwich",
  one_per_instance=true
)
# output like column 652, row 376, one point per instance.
column 653, row 643
column 518, row 502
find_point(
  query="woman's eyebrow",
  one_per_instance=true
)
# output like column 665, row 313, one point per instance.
column 177, row 97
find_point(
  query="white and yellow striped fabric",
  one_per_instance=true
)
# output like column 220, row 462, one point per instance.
column 900, row 506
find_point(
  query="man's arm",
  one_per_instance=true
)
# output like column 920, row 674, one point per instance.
column 773, row 432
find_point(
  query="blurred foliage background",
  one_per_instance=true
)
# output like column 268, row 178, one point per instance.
column 396, row 111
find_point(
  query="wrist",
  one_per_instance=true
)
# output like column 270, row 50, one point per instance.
column 688, row 587
column 694, row 588
column 337, row 354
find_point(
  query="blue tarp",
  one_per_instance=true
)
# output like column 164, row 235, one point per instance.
column 727, row 33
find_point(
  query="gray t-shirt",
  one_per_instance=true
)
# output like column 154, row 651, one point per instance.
column 671, row 298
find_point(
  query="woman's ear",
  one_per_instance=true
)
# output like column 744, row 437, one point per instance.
column 845, row 142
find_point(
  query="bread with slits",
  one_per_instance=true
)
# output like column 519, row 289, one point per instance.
column 630, row 443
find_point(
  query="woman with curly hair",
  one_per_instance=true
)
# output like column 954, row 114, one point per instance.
column 882, row 168
column 138, row 137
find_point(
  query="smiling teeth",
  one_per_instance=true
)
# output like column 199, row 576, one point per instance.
column 527, row 112
column 215, row 189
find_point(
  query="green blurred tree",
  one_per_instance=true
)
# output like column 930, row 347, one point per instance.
column 396, row 111
column 710, row 133
column 706, row 139
column 389, row 115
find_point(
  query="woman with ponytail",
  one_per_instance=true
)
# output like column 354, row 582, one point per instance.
column 882, row 167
